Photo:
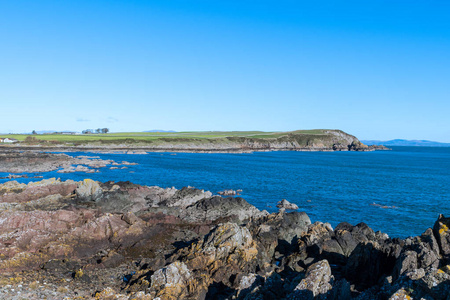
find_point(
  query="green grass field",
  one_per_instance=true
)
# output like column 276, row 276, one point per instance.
column 155, row 136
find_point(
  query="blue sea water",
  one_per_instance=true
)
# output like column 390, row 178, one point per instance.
column 330, row 187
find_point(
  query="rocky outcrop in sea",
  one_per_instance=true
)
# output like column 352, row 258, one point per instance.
column 119, row 240
column 15, row 161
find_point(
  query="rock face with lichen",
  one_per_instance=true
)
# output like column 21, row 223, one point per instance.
column 88, row 189
column 118, row 240
column 318, row 281
column 171, row 282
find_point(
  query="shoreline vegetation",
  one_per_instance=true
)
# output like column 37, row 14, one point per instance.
column 202, row 142
column 119, row 240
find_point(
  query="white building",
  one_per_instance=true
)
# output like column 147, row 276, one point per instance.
column 8, row 140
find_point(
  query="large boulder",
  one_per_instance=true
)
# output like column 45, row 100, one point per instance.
column 226, row 239
column 276, row 235
column 407, row 262
column 317, row 241
column 286, row 228
column 370, row 261
column 228, row 246
column 221, row 258
column 14, row 192
column 233, row 209
column 88, row 190
column 349, row 236
column 318, row 280
column 174, row 281
column 185, row 197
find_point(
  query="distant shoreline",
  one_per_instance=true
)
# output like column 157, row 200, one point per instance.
column 144, row 150
column 406, row 143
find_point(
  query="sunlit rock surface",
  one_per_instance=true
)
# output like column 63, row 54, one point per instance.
column 118, row 240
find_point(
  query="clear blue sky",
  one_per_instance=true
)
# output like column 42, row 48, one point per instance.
column 376, row 69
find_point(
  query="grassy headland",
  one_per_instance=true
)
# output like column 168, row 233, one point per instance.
column 151, row 136
column 211, row 141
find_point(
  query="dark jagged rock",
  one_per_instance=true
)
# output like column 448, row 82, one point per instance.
column 317, row 282
column 442, row 232
column 369, row 262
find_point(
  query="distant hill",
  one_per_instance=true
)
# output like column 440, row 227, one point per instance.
column 159, row 130
column 400, row 142
column 44, row 131
column 50, row 131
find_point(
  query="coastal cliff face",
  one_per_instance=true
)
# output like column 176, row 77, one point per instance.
column 118, row 240
column 326, row 140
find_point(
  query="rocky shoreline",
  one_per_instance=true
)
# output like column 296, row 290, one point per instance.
column 14, row 161
column 118, row 240
column 130, row 149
